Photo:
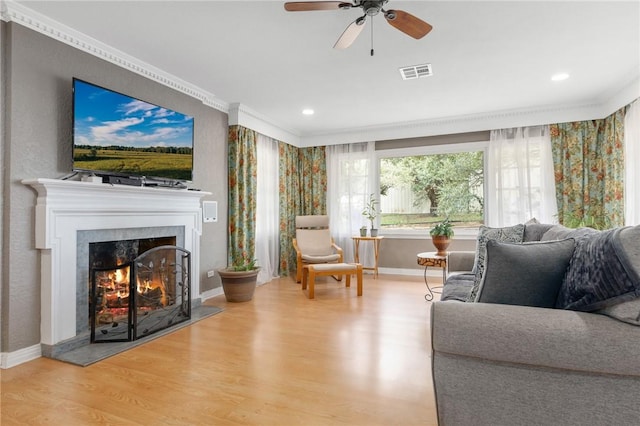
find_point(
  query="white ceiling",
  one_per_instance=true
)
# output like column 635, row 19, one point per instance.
column 487, row 57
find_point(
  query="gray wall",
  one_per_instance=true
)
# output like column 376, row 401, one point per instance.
column 402, row 252
column 36, row 143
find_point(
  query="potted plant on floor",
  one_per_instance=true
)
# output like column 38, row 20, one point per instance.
column 441, row 235
column 239, row 280
column 371, row 211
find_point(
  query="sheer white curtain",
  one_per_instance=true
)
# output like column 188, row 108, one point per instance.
column 520, row 177
column 267, row 232
column 632, row 162
column 350, row 180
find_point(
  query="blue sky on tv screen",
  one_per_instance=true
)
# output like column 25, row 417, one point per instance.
column 104, row 118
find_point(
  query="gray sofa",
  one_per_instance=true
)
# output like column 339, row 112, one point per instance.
column 503, row 364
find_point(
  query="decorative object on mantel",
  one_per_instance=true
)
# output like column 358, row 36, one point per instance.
column 371, row 211
column 239, row 281
column 441, row 235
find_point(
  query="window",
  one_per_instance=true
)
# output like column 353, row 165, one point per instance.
column 422, row 186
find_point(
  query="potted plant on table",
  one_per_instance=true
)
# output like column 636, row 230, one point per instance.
column 441, row 235
column 371, row 211
column 239, row 280
column 363, row 231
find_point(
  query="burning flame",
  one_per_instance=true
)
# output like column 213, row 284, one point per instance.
column 122, row 275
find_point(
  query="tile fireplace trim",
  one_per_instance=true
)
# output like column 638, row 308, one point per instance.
column 65, row 207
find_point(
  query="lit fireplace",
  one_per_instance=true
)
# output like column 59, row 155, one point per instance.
column 133, row 295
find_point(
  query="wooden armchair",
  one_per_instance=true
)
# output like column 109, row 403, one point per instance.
column 313, row 243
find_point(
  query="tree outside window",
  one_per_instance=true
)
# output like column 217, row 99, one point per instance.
column 420, row 190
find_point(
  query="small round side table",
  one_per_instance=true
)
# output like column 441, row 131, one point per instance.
column 431, row 258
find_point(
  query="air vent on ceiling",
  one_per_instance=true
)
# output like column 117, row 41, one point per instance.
column 416, row 71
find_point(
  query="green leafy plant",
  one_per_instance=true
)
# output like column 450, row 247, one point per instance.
column 370, row 210
column 244, row 265
column 442, row 229
column 586, row 221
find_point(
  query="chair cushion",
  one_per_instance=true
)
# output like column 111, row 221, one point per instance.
column 320, row 259
column 314, row 242
column 337, row 267
column 527, row 274
column 312, row 221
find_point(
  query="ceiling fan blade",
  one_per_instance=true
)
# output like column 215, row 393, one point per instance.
column 303, row 6
column 407, row 23
column 351, row 33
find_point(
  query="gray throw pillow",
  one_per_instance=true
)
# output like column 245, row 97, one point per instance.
column 510, row 234
column 528, row 274
column 535, row 231
column 604, row 271
column 560, row 232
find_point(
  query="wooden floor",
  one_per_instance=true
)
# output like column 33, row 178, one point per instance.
column 280, row 359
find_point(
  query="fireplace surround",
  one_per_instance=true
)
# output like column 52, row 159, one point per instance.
column 66, row 209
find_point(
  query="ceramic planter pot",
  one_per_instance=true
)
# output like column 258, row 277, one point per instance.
column 238, row 286
column 441, row 243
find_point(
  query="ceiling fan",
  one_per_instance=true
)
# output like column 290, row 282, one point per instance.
column 401, row 20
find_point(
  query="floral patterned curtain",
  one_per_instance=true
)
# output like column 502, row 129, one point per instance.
column 290, row 202
column 303, row 189
column 242, row 191
column 313, row 175
column 588, row 159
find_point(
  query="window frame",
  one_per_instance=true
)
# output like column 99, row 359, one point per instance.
column 453, row 148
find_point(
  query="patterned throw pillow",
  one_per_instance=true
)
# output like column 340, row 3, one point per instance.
column 604, row 271
column 511, row 234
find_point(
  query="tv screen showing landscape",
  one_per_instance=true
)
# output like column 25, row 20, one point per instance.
column 120, row 135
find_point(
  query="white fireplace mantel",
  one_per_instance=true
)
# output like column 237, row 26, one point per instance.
column 65, row 207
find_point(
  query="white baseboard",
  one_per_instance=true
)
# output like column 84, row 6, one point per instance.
column 431, row 272
column 211, row 293
column 11, row 359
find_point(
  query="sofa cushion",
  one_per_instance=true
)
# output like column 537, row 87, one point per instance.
column 457, row 287
column 604, row 271
column 628, row 311
column 510, row 234
column 528, row 274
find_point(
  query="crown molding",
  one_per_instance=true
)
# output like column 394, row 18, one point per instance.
column 458, row 124
column 10, row 11
column 244, row 116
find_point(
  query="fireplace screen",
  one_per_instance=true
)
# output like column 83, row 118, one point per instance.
column 140, row 297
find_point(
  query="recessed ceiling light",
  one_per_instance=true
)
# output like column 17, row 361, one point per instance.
column 560, row 76
column 308, row 111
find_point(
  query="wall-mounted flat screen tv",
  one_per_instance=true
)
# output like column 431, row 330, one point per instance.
column 116, row 134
